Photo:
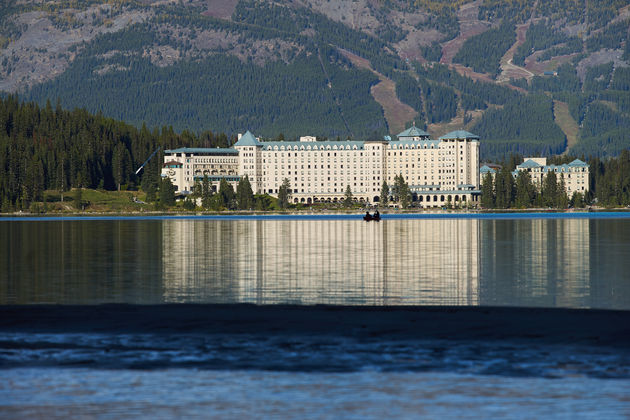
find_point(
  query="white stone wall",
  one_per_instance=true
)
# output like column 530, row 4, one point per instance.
column 447, row 163
column 324, row 173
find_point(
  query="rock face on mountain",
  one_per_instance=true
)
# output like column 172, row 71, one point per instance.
column 523, row 75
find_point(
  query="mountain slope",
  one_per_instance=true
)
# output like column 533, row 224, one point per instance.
column 283, row 67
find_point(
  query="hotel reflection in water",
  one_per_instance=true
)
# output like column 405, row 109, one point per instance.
column 394, row 262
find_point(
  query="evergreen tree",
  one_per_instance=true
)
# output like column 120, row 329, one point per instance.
column 244, row 194
column 384, row 197
column 504, row 188
column 487, row 191
column 77, row 199
column 216, row 202
column 205, row 192
column 226, row 192
column 121, row 164
column 561, row 200
column 263, row 202
column 149, row 184
column 402, row 192
column 577, row 200
column 166, row 193
column 525, row 190
column 189, row 204
column 6, row 206
column 513, row 161
column 283, row 194
column 347, row 202
column 35, row 179
column 549, row 190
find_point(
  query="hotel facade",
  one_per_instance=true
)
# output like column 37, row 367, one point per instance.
column 437, row 171
column 575, row 175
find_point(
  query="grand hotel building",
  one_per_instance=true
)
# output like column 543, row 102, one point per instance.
column 437, row 171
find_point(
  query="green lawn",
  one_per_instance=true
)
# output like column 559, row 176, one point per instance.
column 96, row 201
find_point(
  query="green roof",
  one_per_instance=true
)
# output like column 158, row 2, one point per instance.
column 313, row 145
column 203, row 151
column 578, row 162
column 459, row 134
column 247, row 139
column 530, row 164
column 401, row 143
column 413, row 131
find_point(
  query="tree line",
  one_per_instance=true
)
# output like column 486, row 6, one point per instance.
column 504, row 191
column 46, row 148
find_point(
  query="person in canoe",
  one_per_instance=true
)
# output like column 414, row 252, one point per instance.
column 367, row 216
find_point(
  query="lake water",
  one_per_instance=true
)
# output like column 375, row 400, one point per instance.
column 534, row 261
column 558, row 262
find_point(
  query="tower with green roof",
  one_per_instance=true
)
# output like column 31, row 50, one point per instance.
column 250, row 159
column 413, row 133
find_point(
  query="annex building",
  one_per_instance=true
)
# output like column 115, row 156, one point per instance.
column 437, row 171
column 576, row 175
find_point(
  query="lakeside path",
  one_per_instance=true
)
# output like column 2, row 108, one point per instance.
column 327, row 216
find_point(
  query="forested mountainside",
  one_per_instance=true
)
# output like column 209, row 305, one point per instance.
column 527, row 76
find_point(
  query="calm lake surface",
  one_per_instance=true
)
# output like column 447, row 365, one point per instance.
column 522, row 261
column 573, row 263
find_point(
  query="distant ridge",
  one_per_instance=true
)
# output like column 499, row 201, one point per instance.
column 336, row 69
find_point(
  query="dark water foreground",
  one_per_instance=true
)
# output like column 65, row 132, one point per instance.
column 248, row 361
column 479, row 340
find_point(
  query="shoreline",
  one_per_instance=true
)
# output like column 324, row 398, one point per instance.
column 609, row 328
column 621, row 213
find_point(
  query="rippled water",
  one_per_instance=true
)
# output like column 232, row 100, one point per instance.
column 185, row 393
column 316, row 353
